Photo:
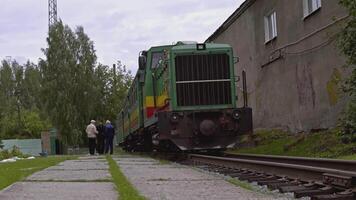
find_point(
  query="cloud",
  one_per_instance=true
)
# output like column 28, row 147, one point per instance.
column 119, row 29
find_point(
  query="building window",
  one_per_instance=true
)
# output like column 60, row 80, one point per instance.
column 311, row 6
column 270, row 27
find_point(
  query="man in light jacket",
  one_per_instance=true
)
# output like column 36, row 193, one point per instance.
column 91, row 133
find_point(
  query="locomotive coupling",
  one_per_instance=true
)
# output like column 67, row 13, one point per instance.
column 207, row 127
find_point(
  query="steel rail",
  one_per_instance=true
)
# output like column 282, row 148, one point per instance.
column 346, row 165
column 340, row 178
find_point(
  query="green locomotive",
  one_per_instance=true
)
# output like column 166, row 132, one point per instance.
column 183, row 99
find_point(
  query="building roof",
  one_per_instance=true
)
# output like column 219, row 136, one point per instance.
column 231, row 19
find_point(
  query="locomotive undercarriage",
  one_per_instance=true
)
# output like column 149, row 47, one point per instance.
column 192, row 131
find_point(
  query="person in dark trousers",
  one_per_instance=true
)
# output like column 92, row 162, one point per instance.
column 91, row 133
column 109, row 133
column 100, row 145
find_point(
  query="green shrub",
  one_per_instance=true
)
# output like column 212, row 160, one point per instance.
column 347, row 43
column 15, row 151
column 5, row 154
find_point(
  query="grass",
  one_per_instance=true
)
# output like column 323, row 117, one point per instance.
column 19, row 170
column 349, row 157
column 325, row 144
column 124, row 187
column 241, row 184
column 163, row 162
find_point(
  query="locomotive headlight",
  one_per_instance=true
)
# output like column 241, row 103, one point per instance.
column 236, row 115
column 201, row 47
column 175, row 118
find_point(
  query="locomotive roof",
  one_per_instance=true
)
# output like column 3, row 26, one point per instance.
column 194, row 47
column 191, row 46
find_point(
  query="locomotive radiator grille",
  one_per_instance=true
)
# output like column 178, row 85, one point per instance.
column 203, row 80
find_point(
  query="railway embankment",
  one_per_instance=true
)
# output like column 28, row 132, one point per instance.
column 322, row 144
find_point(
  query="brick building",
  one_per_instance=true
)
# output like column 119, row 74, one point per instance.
column 288, row 50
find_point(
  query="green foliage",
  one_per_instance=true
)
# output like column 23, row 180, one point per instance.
column 241, row 184
column 114, row 90
column 66, row 90
column 19, row 170
column 123, row 186
column 15, row 151
column 347, row 44
column 33, row 124
column 348, row 122
column 31, row 127
column 20, row 115
column 326, row 144
column 76, row 89
column 66, row 93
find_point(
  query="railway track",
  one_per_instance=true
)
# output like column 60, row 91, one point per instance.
column 320, row 179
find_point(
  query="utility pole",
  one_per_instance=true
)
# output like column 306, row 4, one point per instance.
column 52, row 13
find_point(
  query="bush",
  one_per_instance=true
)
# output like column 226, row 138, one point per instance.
column 15, row 151
column 5, row 154
column 348, row 123
column 347, row 43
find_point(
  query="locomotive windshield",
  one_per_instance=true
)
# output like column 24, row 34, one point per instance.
column 156, row 57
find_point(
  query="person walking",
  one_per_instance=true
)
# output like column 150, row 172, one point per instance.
column 91, row 133
column 109, row 133
column 100, row 145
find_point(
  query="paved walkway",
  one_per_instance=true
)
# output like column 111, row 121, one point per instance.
column 87, row 178
column 158, row 181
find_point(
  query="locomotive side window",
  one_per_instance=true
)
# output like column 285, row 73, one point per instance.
column 156, row 57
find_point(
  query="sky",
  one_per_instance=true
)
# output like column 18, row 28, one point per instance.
column 120, row 29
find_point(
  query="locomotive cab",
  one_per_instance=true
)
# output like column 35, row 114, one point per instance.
column 203, row 113
column 188, row 99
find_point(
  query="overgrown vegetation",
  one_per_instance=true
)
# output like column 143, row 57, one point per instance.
column 325, row 144
column 123, row 186
column 241, row 184
column 64, row 90
column 347, row 44
column 15, row 151
column 16, row 171
column 78, row 89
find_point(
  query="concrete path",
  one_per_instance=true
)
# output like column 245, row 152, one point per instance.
column 87, row 178
column 158, row 181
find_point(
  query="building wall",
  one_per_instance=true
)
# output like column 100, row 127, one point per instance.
column 292, row 80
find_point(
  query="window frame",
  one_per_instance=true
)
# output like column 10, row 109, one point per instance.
column 270, row 26
column 152, row 59
column 315, row 6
